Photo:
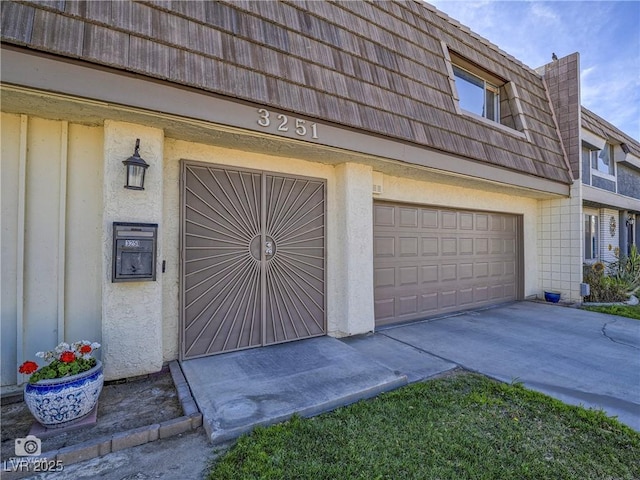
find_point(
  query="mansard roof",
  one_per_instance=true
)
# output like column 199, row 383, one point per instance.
column 604, row 129
column 378, row 67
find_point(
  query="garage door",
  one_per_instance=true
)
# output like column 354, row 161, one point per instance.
column 253, row 260
column 429, row 261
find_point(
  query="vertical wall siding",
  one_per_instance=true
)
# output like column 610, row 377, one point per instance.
column 83, row 274
column 41, row 232
column 9, row 175
column 51, row 248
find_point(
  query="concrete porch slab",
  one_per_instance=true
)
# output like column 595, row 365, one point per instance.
column 399, row 356
column 240, row 390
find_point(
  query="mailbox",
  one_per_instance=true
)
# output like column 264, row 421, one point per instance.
column 134, row 252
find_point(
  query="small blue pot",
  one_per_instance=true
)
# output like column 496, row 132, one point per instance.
column 553, row 297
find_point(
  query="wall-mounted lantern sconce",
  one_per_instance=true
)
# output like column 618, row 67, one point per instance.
column 630, row 221
column 136, row 168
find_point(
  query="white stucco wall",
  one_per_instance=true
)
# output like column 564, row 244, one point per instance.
column 131, row 311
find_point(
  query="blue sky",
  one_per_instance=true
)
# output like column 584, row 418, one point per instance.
column 606, row 34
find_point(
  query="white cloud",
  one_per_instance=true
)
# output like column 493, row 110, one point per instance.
column 586, row 72
column 542, row 12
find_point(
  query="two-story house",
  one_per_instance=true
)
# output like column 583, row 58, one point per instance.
column 607, row 162
column 610, row 189
column 314, row 168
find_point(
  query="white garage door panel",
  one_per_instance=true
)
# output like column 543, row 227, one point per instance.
column 429, row 261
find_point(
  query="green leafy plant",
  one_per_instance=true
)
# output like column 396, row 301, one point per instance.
column 604, row 288
column 616, row 281
column 63, row 361
column 626, row 269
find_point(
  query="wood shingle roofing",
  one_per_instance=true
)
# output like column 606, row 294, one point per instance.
column 602, row 128
column 373, row 66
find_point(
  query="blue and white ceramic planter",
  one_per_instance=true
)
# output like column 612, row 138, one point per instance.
column 59, row 402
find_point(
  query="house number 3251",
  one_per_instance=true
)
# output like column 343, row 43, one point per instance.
column 285, row 124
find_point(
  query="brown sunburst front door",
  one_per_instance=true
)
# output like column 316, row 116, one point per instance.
column 253, row 259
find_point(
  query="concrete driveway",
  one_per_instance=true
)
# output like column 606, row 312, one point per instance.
column 579, row 357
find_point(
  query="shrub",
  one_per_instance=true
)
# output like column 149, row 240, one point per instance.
column 604, row 288
column 626, row 269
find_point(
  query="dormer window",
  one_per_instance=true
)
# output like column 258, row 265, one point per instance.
column 477, row 95
column 485, row 96
column 600, row 160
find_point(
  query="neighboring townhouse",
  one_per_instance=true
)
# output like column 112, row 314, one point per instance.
column 606, row 160
column 315, row 168
column 610, row 189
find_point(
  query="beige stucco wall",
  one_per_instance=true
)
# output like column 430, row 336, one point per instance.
column 131, row 311
column 353, row 296
column 450, row 196
column 51, row 242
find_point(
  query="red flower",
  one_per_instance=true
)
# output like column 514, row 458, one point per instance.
column 84, row 349
column 28, row 367
column 67, row 357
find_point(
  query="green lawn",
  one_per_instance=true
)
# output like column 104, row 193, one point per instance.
column 621, row 310
column 457, row 427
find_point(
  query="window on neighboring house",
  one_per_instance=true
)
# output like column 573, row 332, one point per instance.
column 600, row 160
column 476, row 95
column 590, row 237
